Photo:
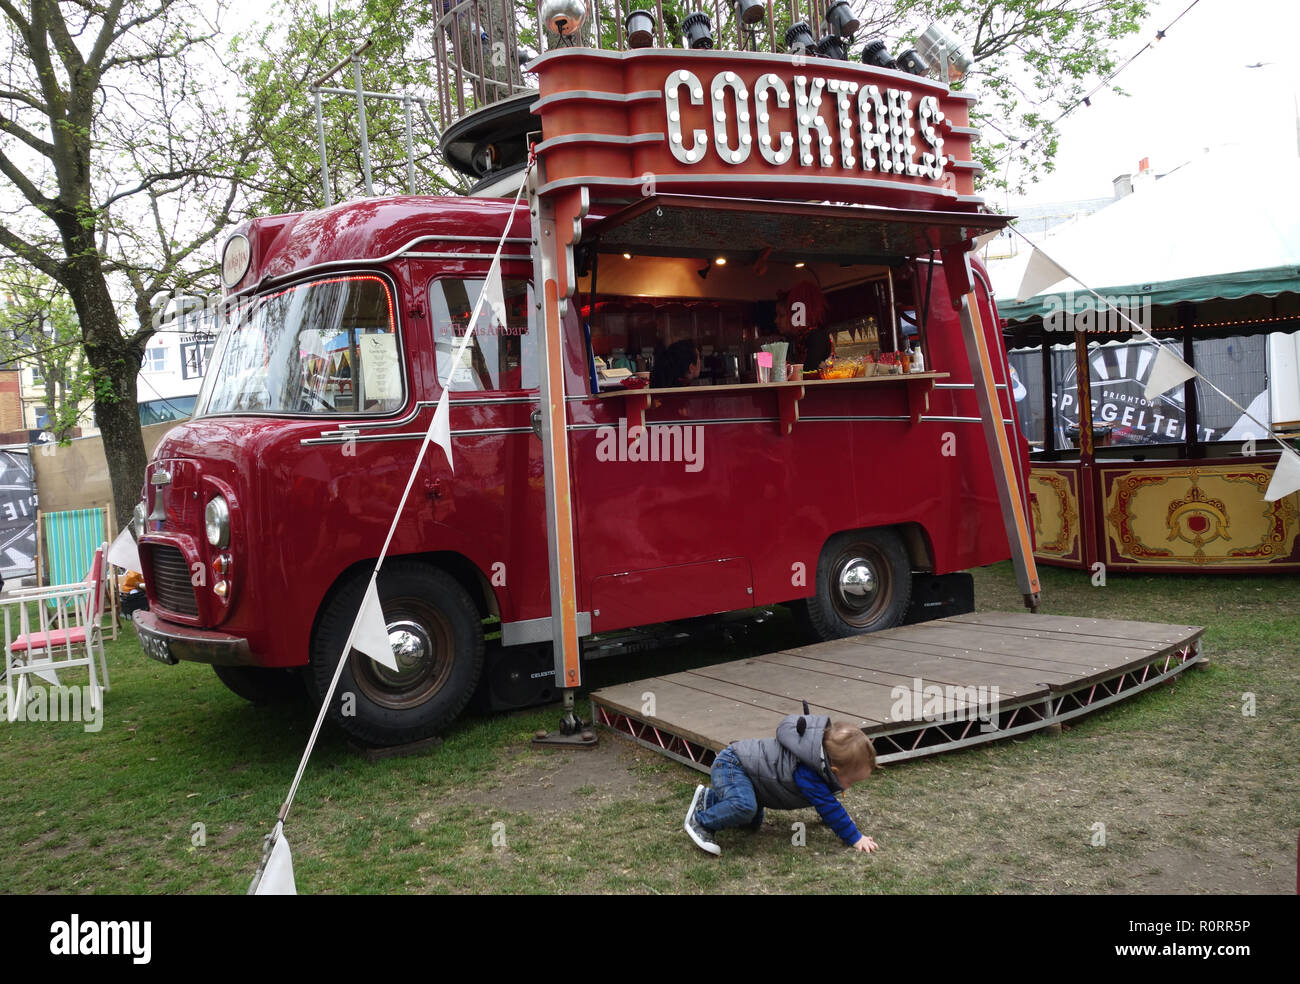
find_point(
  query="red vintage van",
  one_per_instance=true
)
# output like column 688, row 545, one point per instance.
column 262, row 517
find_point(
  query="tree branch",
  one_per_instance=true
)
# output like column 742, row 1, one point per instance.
column 25, row 251
column 23, row 183
column 42, row 147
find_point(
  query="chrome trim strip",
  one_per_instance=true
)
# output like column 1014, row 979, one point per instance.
column 777, row 181
column 829, row 419
column 489, row 400
column 410, row 436
column 478, row 239
column 269, row 282
column 425, row 404
column 631, row 140
column 538, row 630
column 961, row 420
column 485, row 257
column 591, row 95
column 341, row 438
column 964, row 386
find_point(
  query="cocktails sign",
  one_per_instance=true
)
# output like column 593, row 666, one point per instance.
column 811, row 122
column 752, row 125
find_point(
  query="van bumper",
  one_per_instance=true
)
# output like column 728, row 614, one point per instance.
column 170, row 643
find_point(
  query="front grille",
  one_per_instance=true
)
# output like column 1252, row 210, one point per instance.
column 171, row 580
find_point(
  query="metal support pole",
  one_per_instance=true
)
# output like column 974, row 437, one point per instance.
column 320, row 137
column 555, row 444
column 361, row 117
column 410, row 144
column 961, row 288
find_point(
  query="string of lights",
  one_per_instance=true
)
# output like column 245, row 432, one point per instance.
column 1086, row 99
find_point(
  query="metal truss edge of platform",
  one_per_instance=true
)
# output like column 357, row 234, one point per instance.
column 1049, row 711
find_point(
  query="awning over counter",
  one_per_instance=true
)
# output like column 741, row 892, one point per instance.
column 693, row 225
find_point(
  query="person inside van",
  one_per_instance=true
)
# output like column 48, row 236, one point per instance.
column 677, row 365
column 800, row 317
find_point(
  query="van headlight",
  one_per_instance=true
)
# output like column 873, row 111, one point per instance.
column 216, row 521
column 140, row 520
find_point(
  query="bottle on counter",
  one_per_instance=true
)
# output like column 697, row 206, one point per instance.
column 918, row 360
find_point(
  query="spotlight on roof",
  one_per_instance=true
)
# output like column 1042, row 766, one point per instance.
column 564, row 17
column 750, row 12
column 948, row 55
column 640, row 25
column 698, row 30
column 877, row 55
column 799, row 39
column 911, row 61
column 832, row 47
column 840, row 19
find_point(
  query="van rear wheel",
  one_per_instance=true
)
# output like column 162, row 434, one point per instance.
column 437, row 639
column 864, row 584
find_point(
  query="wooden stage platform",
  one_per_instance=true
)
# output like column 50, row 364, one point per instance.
column 915, row 690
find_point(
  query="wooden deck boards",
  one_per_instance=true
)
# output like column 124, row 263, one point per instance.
column 1025, row 657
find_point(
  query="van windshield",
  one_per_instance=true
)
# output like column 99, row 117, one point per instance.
column 323, row 347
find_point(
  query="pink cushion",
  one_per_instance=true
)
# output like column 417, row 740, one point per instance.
column 49, row 640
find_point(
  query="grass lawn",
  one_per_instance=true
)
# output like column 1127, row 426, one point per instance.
column 1194, row 795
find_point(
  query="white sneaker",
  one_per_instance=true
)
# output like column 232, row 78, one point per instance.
column 703, row 838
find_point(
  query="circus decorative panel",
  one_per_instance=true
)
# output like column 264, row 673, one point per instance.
column 1054, row 504
column 1198, row 516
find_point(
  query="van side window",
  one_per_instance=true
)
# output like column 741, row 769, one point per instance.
column 499, row 357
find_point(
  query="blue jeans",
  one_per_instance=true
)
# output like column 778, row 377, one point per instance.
column 731, row 801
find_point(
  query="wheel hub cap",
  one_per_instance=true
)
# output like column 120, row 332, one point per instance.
column 858, row 584
column 412, row 649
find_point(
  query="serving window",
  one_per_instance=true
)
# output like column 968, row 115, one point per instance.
column 642, row 305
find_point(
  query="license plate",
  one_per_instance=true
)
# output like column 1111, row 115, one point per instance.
column 156, row 647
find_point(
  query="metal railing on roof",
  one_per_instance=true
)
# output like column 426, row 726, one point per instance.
column 483, row 46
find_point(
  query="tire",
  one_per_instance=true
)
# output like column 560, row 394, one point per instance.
column 260, row 684
column 438, row 673
column 877, row 561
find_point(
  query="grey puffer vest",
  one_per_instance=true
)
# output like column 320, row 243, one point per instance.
column 770, row 762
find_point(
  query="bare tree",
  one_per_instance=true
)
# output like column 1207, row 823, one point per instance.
column 116, row 136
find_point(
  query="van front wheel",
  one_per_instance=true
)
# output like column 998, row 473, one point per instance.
column 864, row 583
column 436, row 635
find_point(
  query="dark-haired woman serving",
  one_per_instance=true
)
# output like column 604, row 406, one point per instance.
column 677, row 366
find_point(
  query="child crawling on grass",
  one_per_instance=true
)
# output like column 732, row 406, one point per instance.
column 809, row 761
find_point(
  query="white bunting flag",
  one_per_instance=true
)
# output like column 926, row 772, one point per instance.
column 124, row 553
column 440, row 428
column 370, row 635
column 277, row 876
column 1286, row 476
column 494, row 294
column 1167, row 372
column 1040, row 273
column 988, row 237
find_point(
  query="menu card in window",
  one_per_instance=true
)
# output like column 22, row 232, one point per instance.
column 379, row 371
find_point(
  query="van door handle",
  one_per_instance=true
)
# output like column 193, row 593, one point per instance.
column 535, row 419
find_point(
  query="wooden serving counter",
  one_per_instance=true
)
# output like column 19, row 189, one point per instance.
column 918, row 386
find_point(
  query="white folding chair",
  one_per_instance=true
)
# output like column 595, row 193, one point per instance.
column 69, row 635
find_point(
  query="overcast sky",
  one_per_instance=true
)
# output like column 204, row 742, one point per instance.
column 1188, row 92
